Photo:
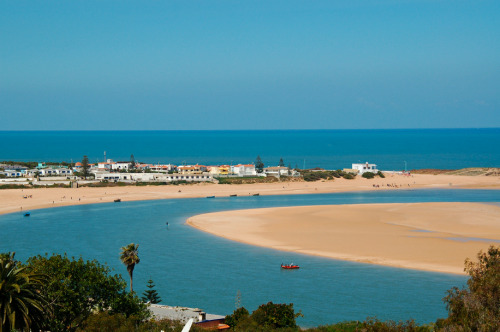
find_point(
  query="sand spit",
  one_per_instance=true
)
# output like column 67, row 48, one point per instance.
column 425, row 236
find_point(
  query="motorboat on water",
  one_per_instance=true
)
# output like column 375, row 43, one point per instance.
column 290, row 266
column 27, row 214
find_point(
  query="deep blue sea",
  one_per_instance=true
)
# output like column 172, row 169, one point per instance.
column 330, row 149
column 196, row 269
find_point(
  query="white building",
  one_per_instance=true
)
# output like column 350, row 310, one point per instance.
column 160, row 168
column 120, row 165
column 244, row 170
column 105, row 166
column 153, row 177
column 12, row 173
column 276, row 171
column 55, row 171
column 366, row 167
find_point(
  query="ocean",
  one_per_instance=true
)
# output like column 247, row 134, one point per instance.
column 392, row 149
column 195, row 269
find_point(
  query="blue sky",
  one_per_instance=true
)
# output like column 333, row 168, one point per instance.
column 161, row 65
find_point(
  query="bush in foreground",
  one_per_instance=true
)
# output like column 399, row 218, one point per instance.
column 267, row 317
column 478, row 307
column 77, row 288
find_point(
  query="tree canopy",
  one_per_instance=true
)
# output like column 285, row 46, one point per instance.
column 76, row 288
column 477, row 307
column 22, row 305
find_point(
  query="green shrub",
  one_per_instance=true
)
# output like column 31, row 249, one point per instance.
column 368, row 175
column 236, row 317
column 381, row 174
column 275, row 315
column 348, row 176
column 478, row 307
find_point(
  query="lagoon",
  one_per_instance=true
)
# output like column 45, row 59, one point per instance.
column 195, row 269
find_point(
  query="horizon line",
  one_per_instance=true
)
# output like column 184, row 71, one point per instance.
column 187, row 130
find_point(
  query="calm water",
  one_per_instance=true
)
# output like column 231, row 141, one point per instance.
column 331, row 149
column 192, row 268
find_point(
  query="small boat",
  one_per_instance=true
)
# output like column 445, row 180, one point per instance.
column 210, row 196
column 255, row 194
column 27, row 214
column 233, row 195
column 118, row 200
column 290, row 266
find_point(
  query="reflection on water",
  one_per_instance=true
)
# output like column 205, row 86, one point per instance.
column 192, row 268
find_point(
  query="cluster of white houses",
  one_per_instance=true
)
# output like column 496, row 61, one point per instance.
column 122, row 171
column 172, row 173
column 15, row 171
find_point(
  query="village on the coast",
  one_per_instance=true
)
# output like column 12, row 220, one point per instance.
column 133, row 172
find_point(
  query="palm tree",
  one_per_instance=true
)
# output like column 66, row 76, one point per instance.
column 130, row 256
column 21, row 304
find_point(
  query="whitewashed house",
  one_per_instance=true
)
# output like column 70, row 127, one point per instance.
column 161, row 168
column 105, row 166
column 53, row 171
column 366, row 167
column 153, row 177
column 191, row 169
column 276, row 171
column 244, row 170
column 120, row 166
column 12, row 173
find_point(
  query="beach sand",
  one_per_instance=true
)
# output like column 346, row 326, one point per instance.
column 11, row 200
column 424, row 236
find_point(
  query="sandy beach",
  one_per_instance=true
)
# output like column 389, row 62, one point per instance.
column 12, row 200
column 425, row 236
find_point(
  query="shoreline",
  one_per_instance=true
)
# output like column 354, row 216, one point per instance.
column 435, row 237
column 11, row 200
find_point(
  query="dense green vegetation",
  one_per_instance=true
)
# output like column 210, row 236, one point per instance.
column 21, row 303
column 477, row 307
column 267, row 317
column 62, row 292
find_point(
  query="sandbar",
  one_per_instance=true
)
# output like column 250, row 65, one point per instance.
column 424, row 236
column 12, row 200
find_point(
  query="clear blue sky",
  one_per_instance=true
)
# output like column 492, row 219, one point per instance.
column 71, row 65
